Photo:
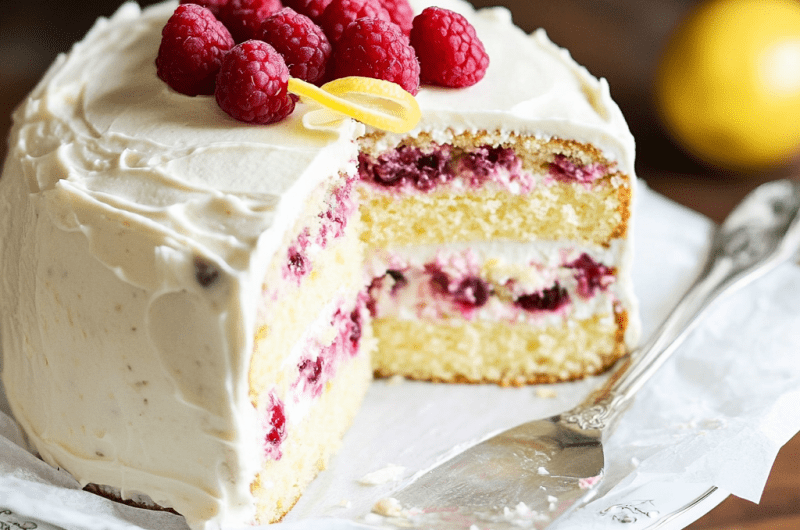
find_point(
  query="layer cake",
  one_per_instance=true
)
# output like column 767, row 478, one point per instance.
column 200, row 304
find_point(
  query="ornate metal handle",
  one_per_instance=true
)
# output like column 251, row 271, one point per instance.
column 762, row 232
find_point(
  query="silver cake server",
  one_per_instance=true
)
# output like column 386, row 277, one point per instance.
column 533, row 473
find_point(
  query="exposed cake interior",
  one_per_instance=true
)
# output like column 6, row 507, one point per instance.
column 498, row 253
column 504, row 271
column 313, row 306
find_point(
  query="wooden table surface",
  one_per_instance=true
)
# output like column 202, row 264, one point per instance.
column 616, row 39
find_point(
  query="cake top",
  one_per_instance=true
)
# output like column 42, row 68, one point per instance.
column 112, row 135
column 106, row 92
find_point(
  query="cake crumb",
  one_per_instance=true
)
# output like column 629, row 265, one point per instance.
column 545, row 392
column 388, row 507
column 390, row 473
column 344, row 503
column 523, row 516
column 552, row 503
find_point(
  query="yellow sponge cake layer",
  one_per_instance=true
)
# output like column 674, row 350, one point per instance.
column 556, row 211
column 499, row 352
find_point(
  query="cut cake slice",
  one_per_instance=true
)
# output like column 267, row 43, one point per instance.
column 496, row 259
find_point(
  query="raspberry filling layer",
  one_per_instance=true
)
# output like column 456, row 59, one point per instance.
column 318, row 363
column 275, row 427
column 330, row 225
column 563, row 169
column 413, row 169
column 410, row 169
column 455, row 286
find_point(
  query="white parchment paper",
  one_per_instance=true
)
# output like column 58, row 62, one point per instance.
column 715, row 415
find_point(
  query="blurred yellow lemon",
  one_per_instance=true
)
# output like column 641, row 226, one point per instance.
column 728, row 85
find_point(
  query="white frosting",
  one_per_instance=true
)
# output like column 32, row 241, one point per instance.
column 118, row 364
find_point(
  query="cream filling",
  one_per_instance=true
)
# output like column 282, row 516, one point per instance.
column 530, row 266
column 415, row 301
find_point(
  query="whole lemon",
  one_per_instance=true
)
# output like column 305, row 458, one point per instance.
column 728, row 84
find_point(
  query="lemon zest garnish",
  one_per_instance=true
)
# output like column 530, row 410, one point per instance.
column 374, row 102
column 323, row 119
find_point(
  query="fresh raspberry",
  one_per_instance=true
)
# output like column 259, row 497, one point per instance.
column 243, row 18
column 212, row 5
column 303, row 44
column 371, row 47
column 313, row 9
column 193, row 44
column 548, row 299
column 472, row 292
column 252, row 84
column 450, row 53
column 401, row 13
column 340, row 13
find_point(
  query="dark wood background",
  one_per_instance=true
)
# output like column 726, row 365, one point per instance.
column 616, row 39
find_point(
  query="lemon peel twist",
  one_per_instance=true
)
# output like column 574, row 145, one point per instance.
column 374, row 102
